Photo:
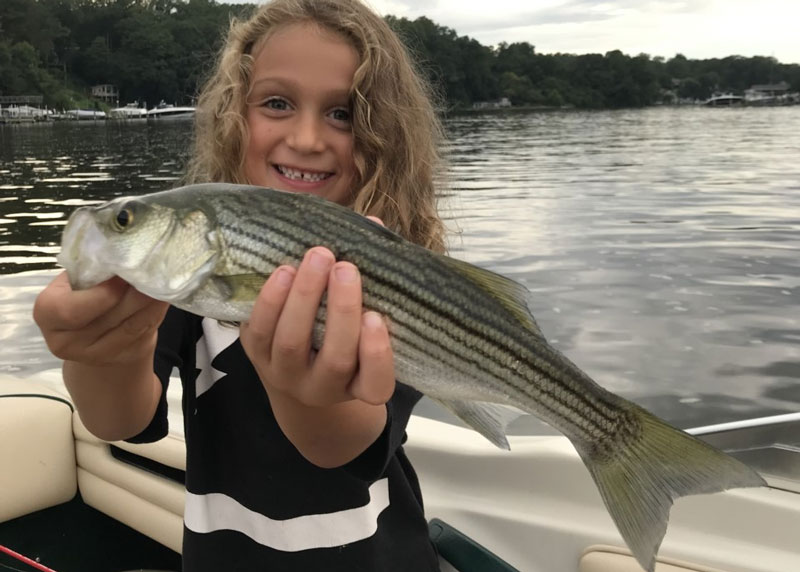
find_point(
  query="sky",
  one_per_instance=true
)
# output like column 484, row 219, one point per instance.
column 698, row 29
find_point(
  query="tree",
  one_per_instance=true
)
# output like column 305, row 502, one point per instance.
column 162, row 49
column 519, row 90
column 31, row 22
column 692, row 89
column 678, row 67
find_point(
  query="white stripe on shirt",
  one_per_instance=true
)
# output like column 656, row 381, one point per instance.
column 216, row 338
column 217, row 511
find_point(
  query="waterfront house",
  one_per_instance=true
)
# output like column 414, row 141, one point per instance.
column 767, row 94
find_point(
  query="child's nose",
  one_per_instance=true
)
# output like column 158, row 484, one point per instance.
column 307, row 135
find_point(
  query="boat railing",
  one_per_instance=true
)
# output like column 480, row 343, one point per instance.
column 771, row 445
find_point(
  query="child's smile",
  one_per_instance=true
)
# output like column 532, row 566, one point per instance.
column 296, row 175
column 298, row 113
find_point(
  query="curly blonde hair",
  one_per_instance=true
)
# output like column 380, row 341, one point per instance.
column 396, row 131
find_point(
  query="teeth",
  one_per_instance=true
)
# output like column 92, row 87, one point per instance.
column 301, row 175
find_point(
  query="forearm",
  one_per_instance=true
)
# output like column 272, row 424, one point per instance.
column 329, row 436
column 113, row 402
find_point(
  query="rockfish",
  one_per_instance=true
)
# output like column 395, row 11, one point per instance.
column 462, row 335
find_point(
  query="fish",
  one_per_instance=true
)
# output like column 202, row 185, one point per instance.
column 462, row 335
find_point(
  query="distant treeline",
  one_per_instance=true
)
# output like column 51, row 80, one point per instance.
column 154, row 50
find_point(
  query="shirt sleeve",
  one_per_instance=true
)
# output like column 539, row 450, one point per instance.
column 372, row 463
column 167, row 356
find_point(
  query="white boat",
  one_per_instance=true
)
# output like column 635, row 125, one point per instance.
column 23, row 114
column 534, row 508
column 724, row 100
column 169, row 111
column 129, row 111
column 85, row 114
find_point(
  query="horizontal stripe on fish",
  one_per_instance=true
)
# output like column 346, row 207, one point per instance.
column 403, row 287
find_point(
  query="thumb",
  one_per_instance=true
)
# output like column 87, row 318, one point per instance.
column 59, row 307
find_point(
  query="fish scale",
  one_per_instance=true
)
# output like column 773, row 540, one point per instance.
column 392, row 290
column 460, row 334
column 389, row 286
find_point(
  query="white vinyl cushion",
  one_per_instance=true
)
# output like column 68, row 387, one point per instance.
column 37, row 450
column 614, row 559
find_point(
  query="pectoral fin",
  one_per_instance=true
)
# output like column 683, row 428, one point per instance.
column 240, row 287
column 488, row 419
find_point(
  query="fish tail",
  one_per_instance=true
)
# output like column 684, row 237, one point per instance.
column 640, row 478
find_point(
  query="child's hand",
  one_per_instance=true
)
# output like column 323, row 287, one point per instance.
column 330, row 405
column 111, row 323
column 355, row 360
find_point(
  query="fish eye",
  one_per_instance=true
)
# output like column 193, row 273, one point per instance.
column 124, row 218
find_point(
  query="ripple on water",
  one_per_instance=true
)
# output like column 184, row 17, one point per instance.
column 659, row 245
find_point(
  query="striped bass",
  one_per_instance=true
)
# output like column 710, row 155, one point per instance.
column 460, row 334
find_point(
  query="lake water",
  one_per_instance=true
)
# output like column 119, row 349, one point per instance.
column 661, row 246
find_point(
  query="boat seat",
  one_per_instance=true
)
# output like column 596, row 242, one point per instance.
column 36, row 440
column 462, row 553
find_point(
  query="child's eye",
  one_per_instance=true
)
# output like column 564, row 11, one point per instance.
column 341, row 115
column 276, row 104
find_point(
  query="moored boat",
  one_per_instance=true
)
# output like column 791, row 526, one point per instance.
column 129, row 111
column 724, row 100
column 84, row 114
column 169, row 111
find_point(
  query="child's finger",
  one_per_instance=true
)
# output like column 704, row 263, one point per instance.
column 132, row 340
column 120, row 315
column 58, row 307
column 292, row 340
column 375, row 381
column 259, row 331
column 337, row 360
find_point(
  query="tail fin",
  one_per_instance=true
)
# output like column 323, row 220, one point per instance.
column 640, row 481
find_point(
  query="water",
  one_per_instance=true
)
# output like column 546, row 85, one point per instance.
column 660, row 246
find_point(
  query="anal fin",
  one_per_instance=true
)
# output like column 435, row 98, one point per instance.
column 488, row 419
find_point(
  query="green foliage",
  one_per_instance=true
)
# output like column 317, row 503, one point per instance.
column 154, row 50
column 151, row 50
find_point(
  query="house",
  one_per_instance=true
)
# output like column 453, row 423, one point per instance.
column 105, row 92
column 766, row 93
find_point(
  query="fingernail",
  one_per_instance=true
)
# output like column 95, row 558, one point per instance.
column 318, row 260
column 373, row 320
column 346, row 273
column 284, row 277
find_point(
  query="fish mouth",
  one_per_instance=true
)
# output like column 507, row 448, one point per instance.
column 302, row 175
column 81, row 248
column 89, row 260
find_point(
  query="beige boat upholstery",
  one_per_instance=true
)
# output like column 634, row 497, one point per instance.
column 613, row 559
column 143, row 500
column 37, row 451
column 536, row 506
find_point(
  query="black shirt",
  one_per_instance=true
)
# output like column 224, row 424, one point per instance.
column 252, row 501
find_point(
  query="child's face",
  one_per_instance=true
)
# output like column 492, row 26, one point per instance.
column 298, row 113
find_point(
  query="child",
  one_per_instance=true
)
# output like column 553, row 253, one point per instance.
column 294, row 457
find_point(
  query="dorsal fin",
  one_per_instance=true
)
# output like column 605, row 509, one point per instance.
column 512, row 295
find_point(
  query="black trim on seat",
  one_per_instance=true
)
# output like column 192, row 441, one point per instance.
column 148, row 465
column 42, row 396
column 464, row 553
